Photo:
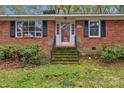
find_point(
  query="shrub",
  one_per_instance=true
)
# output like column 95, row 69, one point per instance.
column 1, row 53
column 28, row 54
column 1, row 56
column 8, row 52
column 111, row 54
column 31, row 54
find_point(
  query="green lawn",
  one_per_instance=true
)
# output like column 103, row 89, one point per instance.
column 87, row 74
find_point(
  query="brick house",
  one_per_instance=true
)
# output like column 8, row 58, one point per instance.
column 84, row 30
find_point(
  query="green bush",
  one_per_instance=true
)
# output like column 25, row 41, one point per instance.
column 1, row 56
column 31, row 54
column 1, row 53
column 8, row 52
column 112, row 54
column 28, row 54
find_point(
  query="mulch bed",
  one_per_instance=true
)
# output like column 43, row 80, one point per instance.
column 103, row 64
column 16, row 64
column 10, row 65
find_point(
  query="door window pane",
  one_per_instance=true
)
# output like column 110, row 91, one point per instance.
column 72, row 28
column 58, row 27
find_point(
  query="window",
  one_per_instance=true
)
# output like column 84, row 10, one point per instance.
column 94, row 28
column 72, row 29
column 29, row 29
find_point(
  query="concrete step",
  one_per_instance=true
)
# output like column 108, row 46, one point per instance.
column 64, row 55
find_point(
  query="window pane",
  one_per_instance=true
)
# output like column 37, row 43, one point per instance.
column 31, row 28
column 32, row 23
column 25, row 34
column 25, row 23
column 25, row 28
column 94, row 28
column 19, row 34
column 31, row 34
column 94, row 32
column 39, row 25
column 38, row 33
column 19, row 26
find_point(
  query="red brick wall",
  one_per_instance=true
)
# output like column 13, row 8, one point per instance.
column 114, row 30
column 45, row 42
column 114, row 35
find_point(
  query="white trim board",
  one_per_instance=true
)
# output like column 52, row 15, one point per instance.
column 55, row 15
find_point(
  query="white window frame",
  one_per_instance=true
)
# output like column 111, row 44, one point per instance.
column 28, row 29
column 99, row 29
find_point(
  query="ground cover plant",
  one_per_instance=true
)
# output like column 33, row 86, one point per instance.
column 88, row 74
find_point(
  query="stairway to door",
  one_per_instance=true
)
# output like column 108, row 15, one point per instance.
column 65, row 55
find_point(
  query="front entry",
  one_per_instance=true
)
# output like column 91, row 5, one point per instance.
column 65, row 34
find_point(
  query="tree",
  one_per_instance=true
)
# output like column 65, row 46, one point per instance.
column 85, row 9
column 2, row 9
column 102, row 9
column 120, row 9
column 57, row 8
column 23, row 9
column 62, row 9
column 18, row 9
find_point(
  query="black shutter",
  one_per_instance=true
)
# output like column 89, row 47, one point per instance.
column 103, row 28
column 86, row 28
column 45, row 28
column 12, row 28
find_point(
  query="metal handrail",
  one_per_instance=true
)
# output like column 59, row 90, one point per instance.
column 76, row 47
column 53, row 45
column 54, row 42
column 76, row 41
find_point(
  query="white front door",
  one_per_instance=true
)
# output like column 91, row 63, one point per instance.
column 65, row 34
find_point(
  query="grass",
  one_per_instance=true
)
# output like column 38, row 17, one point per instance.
column 88, row 74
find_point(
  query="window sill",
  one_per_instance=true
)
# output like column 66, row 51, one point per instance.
column 94, row 36
column 28, row 37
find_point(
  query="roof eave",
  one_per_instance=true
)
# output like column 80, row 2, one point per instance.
column 61, row 15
